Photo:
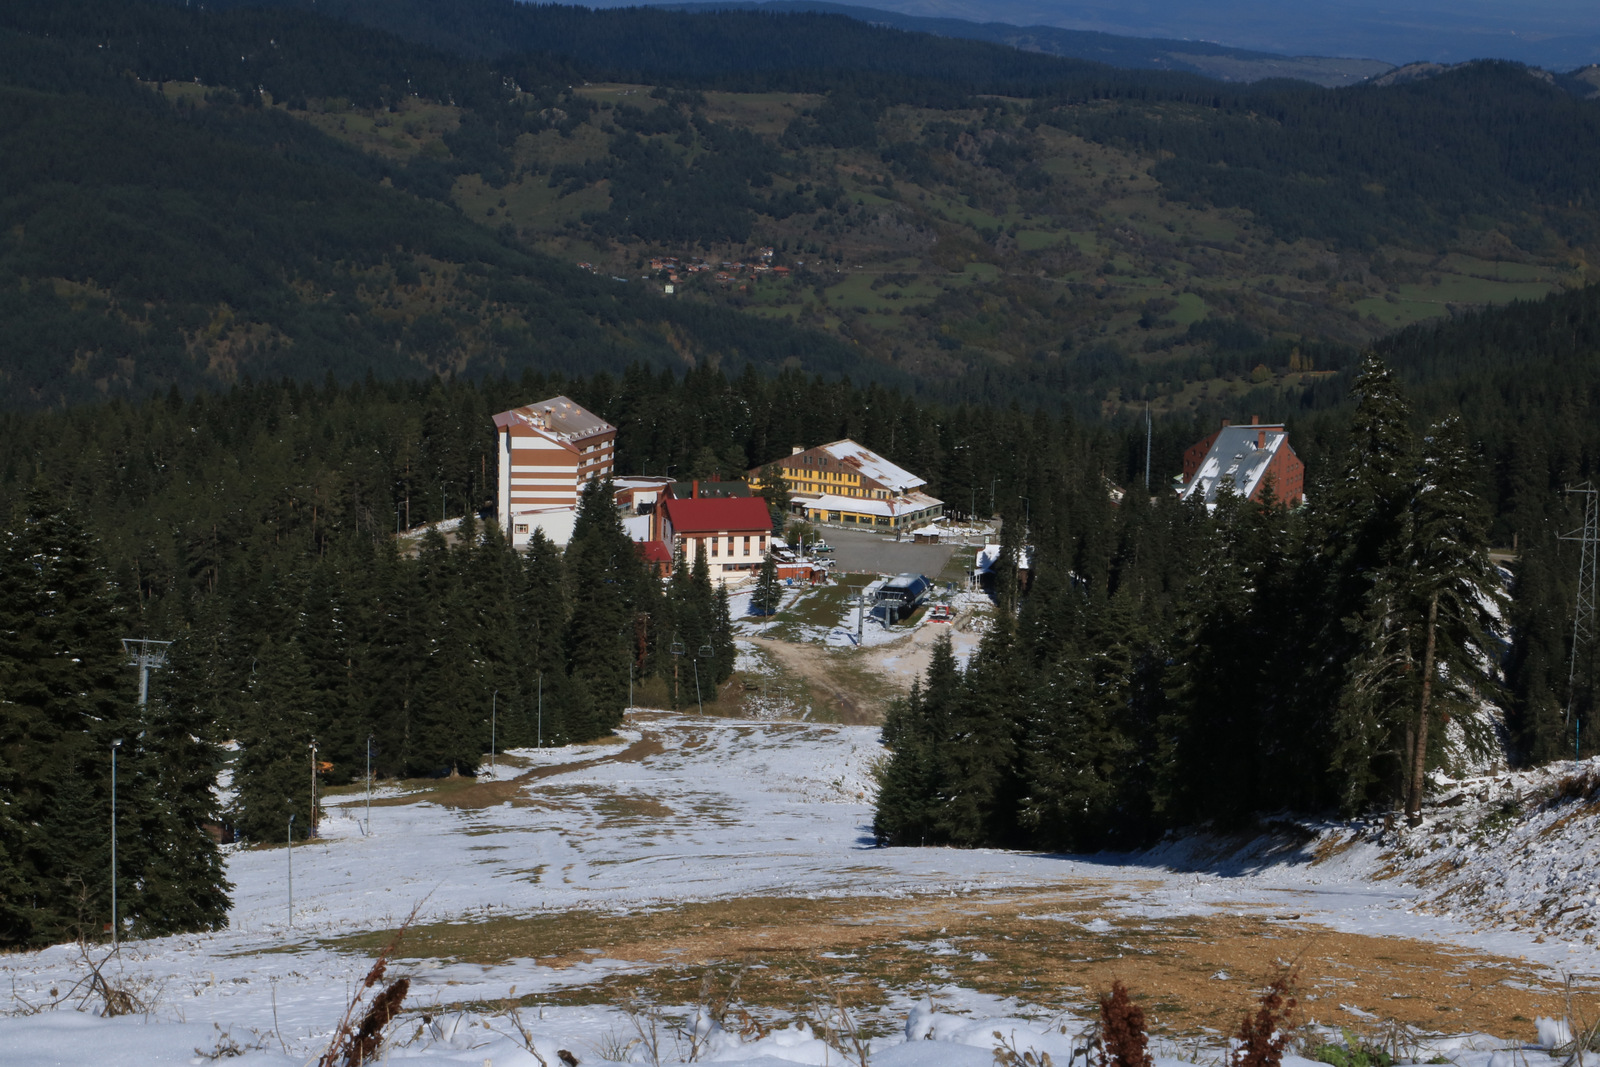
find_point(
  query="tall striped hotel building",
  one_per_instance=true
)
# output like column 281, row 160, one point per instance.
column 548, row 453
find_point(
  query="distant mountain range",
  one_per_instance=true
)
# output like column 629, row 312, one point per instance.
column 1554, row 34
column 1132, row 53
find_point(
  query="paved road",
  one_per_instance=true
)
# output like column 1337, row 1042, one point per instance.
column 859, row 552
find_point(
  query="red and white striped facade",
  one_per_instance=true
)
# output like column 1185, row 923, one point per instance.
column 548, row 452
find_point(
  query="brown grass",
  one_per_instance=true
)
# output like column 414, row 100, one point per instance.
column 879, row 946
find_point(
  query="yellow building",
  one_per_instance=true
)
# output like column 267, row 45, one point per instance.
column 844, row 484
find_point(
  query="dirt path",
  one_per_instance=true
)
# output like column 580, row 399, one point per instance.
column 855, row 683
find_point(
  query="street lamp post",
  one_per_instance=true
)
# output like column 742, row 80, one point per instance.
column 707, row 652
column 313, row 832
column 493, row 708
column 369, row 785
column 114, row 746
column 289, row 856
column 540, row 735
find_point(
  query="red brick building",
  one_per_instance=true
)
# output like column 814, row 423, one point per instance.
column 1248, row 458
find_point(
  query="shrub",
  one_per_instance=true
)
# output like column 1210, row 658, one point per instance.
column 1264, row 1035
column 1123, row 1042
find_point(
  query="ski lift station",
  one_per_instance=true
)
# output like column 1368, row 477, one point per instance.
column 905, row 592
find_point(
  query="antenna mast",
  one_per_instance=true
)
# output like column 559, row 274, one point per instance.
column 1583, row 612
column 1147, row 447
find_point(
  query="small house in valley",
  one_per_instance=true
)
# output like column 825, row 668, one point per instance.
column 1246, row 459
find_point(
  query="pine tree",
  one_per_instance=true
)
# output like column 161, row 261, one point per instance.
column 908, row 788
column 449, row 718
column 64, row 697
column 980, row 762
column 775, row 491
column 272, row 773
column 1365, row 640
column 1073, row 760
column 183, row 885
column 1448, row 569
column 769, row 591
column 598, row 565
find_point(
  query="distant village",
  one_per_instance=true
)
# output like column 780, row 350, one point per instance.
column 674, row 270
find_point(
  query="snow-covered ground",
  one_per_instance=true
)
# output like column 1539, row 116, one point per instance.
column 735, row 809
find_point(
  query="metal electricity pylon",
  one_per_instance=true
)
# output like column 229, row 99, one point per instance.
column 1583, row 612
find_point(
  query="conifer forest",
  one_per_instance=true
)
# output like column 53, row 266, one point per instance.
column 257, row 316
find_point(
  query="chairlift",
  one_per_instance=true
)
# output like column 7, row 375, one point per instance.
column 706, row 652
column 678, row 648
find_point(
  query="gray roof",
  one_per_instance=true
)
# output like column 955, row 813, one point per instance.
column 562, row 417
column 1238, row 457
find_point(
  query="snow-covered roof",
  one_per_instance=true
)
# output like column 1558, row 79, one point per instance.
column 1239, row 456
column 906, row 504
column 872, row 465
column 633, row 481
column 563, row 419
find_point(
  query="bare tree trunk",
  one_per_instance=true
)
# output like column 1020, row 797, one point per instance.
column 1419, row 757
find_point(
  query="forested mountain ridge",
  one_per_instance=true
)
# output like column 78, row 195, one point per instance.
column 1106, row 238
column 192, row 239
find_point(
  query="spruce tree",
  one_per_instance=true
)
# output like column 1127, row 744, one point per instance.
column 64, row 697
column 449, row 726
column 600, row 586
column 724, row 653
column 980, row 763
column 272, row 772
column 183, row 885
column 904, row 812
column 1455, row 597
column 1074, row 759
column 1362, row 528
column 775, row 491
column 769, row 591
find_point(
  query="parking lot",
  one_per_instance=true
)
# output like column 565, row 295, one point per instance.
column 859, row 552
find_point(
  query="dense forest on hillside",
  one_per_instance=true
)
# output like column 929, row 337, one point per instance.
column 257, row 528
column 367, row 201
column 149, row 243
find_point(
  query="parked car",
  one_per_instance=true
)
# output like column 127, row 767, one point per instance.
column 821, row 547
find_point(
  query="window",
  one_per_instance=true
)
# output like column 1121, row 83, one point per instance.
column 730, row 544
column 714, row 542
column 747, row 544
column 763, row 544
column 522, row 527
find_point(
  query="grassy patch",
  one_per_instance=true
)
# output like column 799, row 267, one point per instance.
column 819, row 607
column 785, row 949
